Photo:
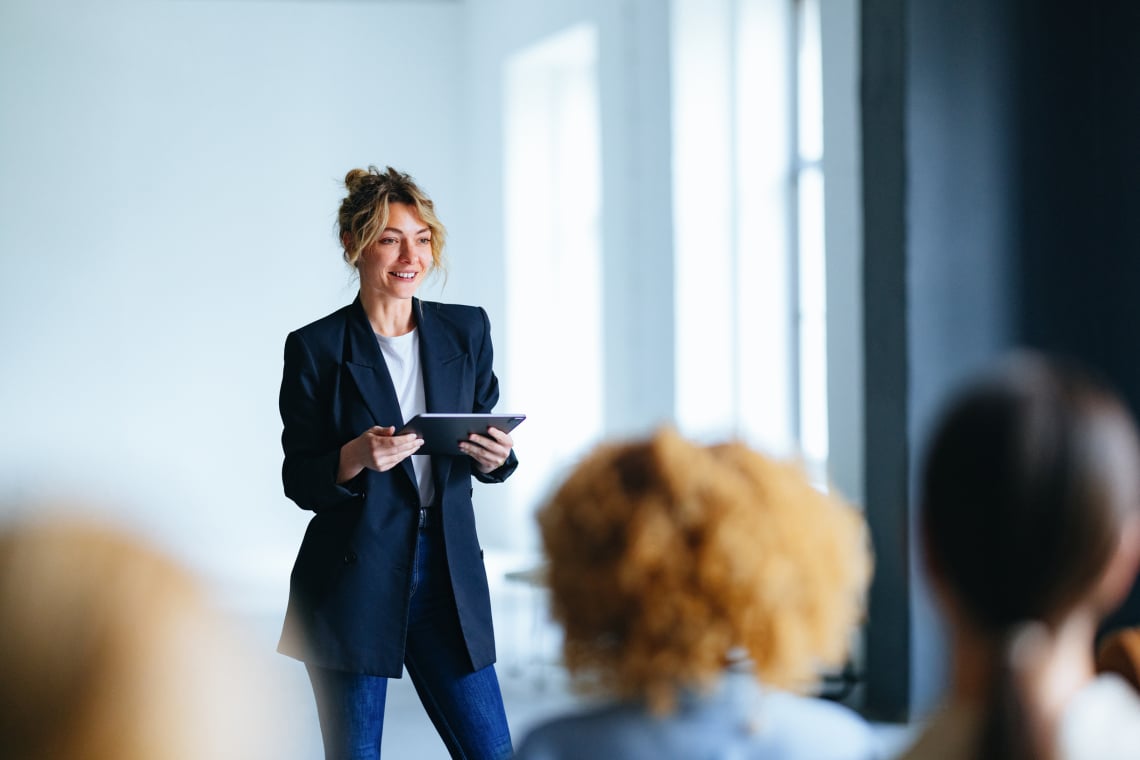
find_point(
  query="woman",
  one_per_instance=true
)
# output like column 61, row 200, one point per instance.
column 681, row 574
column 112, row 650
column 390, row 573
column 1030, row 522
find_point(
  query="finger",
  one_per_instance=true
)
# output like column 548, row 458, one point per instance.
column 487, row 442
column 484, row 449
column 395, row 447
column 388, row 458
column 405, row 440
column 495, row 433
column 488, row 458
column 396, row 441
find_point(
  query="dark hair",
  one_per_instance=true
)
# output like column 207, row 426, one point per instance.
column 1028, row 480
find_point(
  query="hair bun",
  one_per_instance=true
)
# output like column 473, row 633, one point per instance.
column 356, row 177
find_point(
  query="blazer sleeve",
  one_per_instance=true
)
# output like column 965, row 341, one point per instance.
column 486, row 396
column 311, row 455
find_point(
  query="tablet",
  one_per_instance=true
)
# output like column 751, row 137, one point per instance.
column 443, row 432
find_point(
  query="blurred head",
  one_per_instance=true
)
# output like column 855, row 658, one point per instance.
column 364, row 212
column 111, row 652
column 1029, row 497
column 666, row 558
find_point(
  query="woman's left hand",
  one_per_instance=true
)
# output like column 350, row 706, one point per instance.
column 489, row 451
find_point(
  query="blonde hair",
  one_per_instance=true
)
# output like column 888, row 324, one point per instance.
column 111, row 651
column 665, row 557
column 363, row 213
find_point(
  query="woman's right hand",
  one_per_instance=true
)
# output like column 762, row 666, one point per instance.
column 377, row 448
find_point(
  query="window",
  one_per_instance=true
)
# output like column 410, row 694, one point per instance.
column 748, row 216
column 811, row 269
column 552, row 223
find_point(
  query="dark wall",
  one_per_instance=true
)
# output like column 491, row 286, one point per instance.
column 1079, row 160
column 1001, row 159
column 1080, row 253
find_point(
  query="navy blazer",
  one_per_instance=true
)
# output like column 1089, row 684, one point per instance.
column 351, row 583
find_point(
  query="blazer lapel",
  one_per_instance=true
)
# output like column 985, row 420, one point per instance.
column 369, row 371
column 441, row 359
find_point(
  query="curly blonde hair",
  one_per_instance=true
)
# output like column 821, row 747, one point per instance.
column 666, row 557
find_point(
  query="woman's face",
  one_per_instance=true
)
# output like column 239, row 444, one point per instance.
column 395, row 264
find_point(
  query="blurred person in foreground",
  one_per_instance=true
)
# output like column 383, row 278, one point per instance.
column 1029, row 512
column 694, row 585
column 112, row 651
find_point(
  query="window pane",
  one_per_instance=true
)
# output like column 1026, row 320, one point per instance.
column 553, row 253
column 809, row 78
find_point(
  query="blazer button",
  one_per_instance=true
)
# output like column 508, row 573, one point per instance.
column 350, row 558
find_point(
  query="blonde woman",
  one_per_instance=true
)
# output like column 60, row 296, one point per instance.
column 390, row 572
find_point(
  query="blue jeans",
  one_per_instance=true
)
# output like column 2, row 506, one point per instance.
column 466, row 708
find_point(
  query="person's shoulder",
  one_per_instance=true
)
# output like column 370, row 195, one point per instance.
column 587, row 733
column 320, row 340
column 734, row 722
column 458, row 319
column 1102, row 720
column 328, row 323
column 328, row 330
column 795, row 726
column 453, row 312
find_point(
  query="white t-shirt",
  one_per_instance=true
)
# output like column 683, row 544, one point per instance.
column 1102, row 721
column 402, row 355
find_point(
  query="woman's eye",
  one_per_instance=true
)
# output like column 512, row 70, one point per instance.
column 387, row 241
column 425, row 241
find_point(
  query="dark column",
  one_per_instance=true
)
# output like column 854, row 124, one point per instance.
column 885, row 360
column 940, row 293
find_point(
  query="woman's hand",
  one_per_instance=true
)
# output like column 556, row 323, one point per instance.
column 375, row 449
column 489, row 451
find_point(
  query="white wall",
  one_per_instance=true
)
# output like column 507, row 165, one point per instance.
column 169, row 177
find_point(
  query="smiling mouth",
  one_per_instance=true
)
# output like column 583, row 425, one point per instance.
column 404, row 275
